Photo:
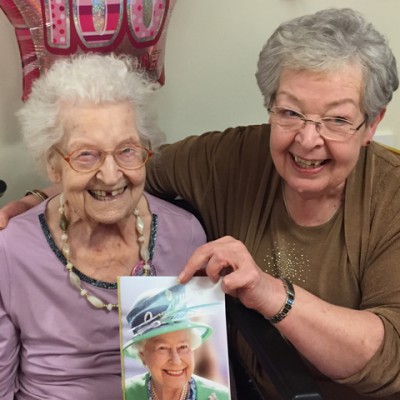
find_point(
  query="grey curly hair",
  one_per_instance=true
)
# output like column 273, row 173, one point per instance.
column 86, row 77
column 325, row 41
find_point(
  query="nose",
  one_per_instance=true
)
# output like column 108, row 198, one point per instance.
column 312, row 122
column 109, row 172
column 174, row 356
column 308, row 135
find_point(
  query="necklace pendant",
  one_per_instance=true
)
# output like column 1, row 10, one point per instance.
column 95, row 301
column 142, row 269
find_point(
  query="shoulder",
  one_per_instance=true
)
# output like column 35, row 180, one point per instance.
column 378, row 170
column 176, row 224
column 136, row 386
column 244, row 134
column 214, row 390
column 387, row 156
column 168, row 209
column 384, row 168
column 372, row 206
column 170, row 213
column 24, row 226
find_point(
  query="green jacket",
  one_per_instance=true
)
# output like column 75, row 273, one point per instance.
column 136, row 388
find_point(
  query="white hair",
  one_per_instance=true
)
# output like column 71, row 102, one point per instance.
column 87, row 78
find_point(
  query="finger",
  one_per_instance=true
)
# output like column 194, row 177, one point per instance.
column 240, row 279
column 214, row 256
column 196, row 263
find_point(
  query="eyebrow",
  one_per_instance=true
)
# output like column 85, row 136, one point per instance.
column 332, row 104
column 86, row 145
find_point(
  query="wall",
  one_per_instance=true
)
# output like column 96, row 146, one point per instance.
column 211, row 54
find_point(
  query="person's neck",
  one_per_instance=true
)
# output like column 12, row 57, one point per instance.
column 100, row 251
column 163, row 393
column 311, row 210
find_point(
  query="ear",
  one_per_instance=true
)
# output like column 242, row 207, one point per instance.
column 371, row 129
column 53, row 167
column 141, row 355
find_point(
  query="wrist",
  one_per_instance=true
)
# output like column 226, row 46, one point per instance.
column 287, row 305
column 37, row 194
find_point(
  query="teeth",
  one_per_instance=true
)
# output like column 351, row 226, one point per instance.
column 307, row 163
column 174, row 372
column 117, row 192
column 102, row 194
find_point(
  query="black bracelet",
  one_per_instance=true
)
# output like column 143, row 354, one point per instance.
column 284, row 311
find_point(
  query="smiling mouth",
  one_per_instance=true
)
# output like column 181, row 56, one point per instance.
column 103, row 195
column 308, row 164
column 174, row 372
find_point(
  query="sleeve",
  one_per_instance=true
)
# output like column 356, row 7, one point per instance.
column 380, row 283
column 183, row 169
column 192, row 166
column 9, row 336
column 219, row 174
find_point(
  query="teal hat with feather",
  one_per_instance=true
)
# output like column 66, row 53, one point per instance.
column 163, row 311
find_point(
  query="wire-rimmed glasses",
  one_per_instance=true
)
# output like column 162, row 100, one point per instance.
column 333, row 128
column 88, row 159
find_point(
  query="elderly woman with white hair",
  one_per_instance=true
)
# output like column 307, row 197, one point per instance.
column 89, row 121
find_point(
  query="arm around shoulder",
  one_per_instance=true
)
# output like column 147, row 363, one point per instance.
column 30, row 200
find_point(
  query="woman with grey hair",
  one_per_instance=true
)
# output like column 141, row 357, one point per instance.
column 306, row 209
column 89, row 121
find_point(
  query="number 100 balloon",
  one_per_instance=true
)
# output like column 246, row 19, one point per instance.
column 50, row 29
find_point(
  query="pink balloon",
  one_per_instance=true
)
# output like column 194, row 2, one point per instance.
column 49, row 29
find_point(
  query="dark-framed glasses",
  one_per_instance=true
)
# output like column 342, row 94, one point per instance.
column 88, row 159
column 333, row 128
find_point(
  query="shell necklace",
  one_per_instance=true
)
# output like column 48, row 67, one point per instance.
column 74, row 278
column 154, row 395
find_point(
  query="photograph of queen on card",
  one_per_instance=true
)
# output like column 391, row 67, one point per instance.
column 173, row 339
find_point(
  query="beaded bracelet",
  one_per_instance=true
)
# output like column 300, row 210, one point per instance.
column 41, row 196
column 284, row 311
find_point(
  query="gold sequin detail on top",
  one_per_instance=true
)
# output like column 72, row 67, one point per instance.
column 288, row 261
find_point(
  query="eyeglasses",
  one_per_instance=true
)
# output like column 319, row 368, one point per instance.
column 89, row 159
column 333, row 128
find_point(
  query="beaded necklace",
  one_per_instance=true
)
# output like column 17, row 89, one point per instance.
column 74, row 278
column 154, row 395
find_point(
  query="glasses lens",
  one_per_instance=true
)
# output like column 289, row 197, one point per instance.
column 286, row 118
column 336, row 128
column 337, row 125
column 130, row 157
column 85, row 159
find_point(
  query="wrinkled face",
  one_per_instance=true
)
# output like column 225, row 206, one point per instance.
column 170, row 359
column 310, row 164
column 110, row 193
